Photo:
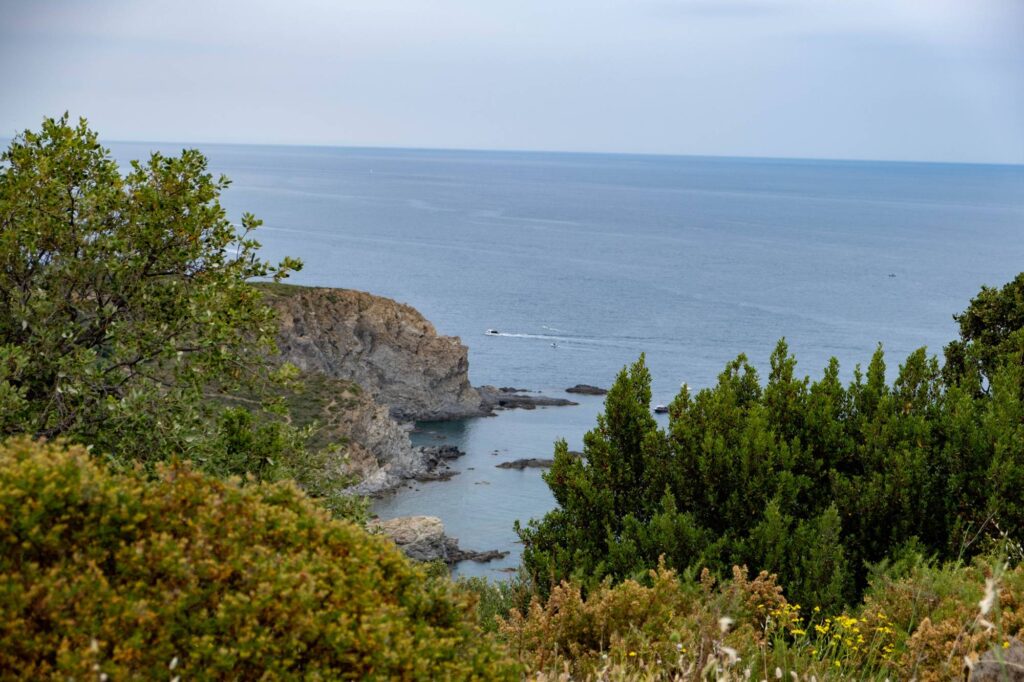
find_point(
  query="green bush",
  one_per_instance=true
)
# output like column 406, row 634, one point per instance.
column 186, row 575
column 812, row 481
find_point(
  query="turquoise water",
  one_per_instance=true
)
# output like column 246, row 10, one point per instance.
column 691, row 260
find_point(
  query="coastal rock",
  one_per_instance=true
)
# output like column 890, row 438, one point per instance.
column 587, row 389
column 440, row 453
column 999, row 664
column 508, row 398
column 422, row 538
column 538, row 462
column 524, row 463
column 455, row 555
column 386, row 347
column 365, row 442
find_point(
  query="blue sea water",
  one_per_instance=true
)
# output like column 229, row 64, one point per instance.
column 584, row 261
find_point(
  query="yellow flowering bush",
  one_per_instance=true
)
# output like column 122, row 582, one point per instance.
column 669, row 625
column 114, row 576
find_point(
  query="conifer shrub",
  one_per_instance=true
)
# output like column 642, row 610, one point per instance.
column 810, row 480
column 107, row 575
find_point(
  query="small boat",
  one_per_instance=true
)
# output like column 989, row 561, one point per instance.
column 660, row 409
column 492, row 332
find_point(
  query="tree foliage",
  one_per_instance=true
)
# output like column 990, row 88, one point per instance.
column 124, row 299
column 810, row 480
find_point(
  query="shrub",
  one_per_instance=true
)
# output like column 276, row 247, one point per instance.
column 809, row 480
column 673, row 627
column 115, row 574
column 924, row 624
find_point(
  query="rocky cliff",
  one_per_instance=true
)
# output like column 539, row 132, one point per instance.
column 388, row 348
column 368, row 444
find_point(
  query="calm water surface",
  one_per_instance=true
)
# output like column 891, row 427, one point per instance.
column 691, row 260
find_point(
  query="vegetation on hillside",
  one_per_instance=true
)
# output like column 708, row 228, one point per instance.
column 185, row 575
column 881, row 523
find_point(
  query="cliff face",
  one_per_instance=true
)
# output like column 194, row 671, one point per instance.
column 370, row 445
column 388, row 348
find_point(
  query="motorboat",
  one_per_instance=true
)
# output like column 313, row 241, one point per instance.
column 660, row 409
column 492, row 332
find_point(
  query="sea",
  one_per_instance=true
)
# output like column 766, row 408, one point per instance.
column 583, row 262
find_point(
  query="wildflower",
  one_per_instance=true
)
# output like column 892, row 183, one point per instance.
column 724, row 623
column 1006, row 645
column 778, row 673
column 679, row 647
column 174, row 663
column 817, row 609
column 797, row 632
column 632, row 653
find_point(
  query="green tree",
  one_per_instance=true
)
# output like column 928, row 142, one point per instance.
column 990, row 331
column 124, row 299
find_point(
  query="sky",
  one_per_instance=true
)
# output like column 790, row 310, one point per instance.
column 925, row 80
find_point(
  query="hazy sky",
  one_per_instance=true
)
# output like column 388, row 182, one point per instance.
column 876, row 79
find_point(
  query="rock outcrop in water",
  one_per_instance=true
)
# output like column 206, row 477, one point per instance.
column 388, row 348
column 507, row 398
column 587, row 389
column 423, row 538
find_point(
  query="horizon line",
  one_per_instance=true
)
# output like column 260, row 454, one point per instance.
column 566, row 152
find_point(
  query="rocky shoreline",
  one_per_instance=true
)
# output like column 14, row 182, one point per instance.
column 423, row 538
column 373, row 367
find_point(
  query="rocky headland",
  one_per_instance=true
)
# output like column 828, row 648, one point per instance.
column 370, row 367
column 388, row 348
